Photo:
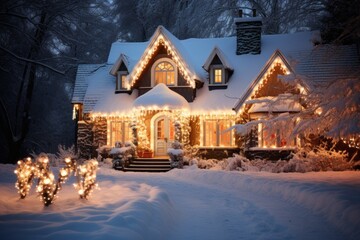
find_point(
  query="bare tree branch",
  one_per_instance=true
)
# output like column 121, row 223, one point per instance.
column 32, row 61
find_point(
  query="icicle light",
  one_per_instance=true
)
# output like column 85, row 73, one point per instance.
column 265, row 77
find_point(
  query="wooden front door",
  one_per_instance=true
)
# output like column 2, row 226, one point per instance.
column 164, row 135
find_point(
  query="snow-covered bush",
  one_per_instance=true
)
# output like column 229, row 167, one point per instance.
column 190, row 155
column 103, row 152
column 302, row 161
column 176, row 154
column 121, row 156
column 321, row 159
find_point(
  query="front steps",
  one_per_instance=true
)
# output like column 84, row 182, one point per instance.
column 148, row 165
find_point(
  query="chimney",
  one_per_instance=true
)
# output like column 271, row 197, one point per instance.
column 248, row 34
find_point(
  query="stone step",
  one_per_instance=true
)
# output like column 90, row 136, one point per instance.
column 140, row 162
column 149, row 165
column 131, row 169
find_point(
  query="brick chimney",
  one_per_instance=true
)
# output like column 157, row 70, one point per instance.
column 248, row 34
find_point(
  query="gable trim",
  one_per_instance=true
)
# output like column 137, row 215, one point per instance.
column 161, row 37
column 274, row 59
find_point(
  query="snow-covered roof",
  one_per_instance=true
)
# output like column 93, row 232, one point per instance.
column 125, row 60
column 296, row 49
column 324, row 63
column 217, row 52
column 81, row 84
column 161, row 97
column 281, row 103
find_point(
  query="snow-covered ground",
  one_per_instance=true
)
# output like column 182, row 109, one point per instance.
column 190, row 204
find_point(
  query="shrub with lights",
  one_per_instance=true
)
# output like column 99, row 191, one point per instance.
column 27, row 171
column 25, row 174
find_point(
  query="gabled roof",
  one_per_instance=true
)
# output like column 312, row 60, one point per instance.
column 122, row 59
column 175, row 49
column 276, row 57
column 296, row 51
column 217, row 52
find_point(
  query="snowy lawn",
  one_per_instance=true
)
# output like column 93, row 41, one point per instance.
column 189, row 204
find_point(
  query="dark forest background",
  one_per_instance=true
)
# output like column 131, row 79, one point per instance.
column 43, row 41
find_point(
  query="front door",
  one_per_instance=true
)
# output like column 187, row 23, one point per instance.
column 164, row 135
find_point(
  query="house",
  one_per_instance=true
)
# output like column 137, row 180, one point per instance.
column 193, row 90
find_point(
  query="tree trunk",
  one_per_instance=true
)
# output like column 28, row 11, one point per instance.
column 22, row 117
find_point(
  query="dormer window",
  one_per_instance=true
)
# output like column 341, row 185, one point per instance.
column 164, row 71
column 121, row 83
column 219, row 69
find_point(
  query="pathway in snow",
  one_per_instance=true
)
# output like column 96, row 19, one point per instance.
column 209, row 211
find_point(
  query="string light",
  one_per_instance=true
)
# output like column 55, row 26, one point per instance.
column 46, row 188
column 25, row 174
column 161, row 40
column 87, row 179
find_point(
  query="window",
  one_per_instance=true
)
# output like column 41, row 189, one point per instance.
column 120, row 132
column 121, row 83
column 213, row 133
column 164, row 71
column 217, row 75
column 275, row 135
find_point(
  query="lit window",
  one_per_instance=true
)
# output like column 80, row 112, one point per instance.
column 165, row 73
column 121, row 82
column 275, row 135
column 217, row 75
column 213, row 133
column 210, row 133
column 224, row 138
column 120, row 132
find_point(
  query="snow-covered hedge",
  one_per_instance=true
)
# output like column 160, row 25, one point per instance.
column 317, row 160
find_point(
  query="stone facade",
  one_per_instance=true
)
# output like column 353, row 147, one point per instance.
column 248, row 36
column 85, row 140
column 100, row 132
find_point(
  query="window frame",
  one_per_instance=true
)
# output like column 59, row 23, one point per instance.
column 119, row 80
column 156, row 63
column 123, row 125
column 278, row 138
column 218, row 133
column 213, row 68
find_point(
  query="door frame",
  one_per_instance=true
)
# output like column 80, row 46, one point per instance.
column 153, row 121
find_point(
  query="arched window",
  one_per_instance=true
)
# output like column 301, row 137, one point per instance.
column 164, row 71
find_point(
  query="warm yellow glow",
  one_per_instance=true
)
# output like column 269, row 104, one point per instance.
column 276, row 62
column 318, row 111
column 148, row 54
column 47, row 181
